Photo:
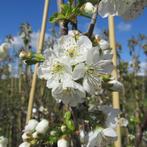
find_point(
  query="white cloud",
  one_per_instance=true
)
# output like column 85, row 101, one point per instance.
column 18, row 43
column 124, row 27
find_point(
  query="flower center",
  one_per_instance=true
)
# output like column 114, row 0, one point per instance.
column 72, row 52
column 57, row 68
column 90, row 70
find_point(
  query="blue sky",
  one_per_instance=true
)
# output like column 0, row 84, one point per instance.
column 15, row 12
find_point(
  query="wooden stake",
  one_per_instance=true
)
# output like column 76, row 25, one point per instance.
column 40, row 47
column 115, row 95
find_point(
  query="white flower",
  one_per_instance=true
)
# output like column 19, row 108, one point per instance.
column 3, row 50
column 35, row 135
column 89, row 9
column 114, row 7
column 131, row 137
column 25, row 144
column 34, row 110
column 54, row 70
column 104, row 45
column 128, row 9
column 42, row 126
column 94, row 67
column 116, row 85
column 74, row 33
column 74, row 49
column 70, row 93
column 123, row 122
column 63, row 128
column 135, row 9
column 110, row 135
column 25, row 136
column 30, row 127
column 3, row 141
column 112, row 115
column 95, row 138
column 83, row 137
column 53, row 133
column 62, row 143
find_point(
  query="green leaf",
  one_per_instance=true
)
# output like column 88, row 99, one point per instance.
column 67, row 115
column 70, row 125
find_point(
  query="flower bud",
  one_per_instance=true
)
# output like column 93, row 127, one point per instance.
column 24, row 54
column 35, row 135
column 110, row 135
column 25, row 136
column 53, row 133
column 62, row 143
column 25, row 144
column 63, row 128
column 30, row 127
column 104, row 44
column 116, row 85
column 123, row 122
column 89, row 9
column 42, row 126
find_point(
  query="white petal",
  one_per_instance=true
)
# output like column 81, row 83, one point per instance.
column 42, row 126
column 62, row 143
column 123, row 5
column 25, row 144
column 72, row 95
column 79, row 71
column 51, row 83
column 30, row 127
column 105, row 66
column 109, row 132
column 84, row 43
column 106, row 8
column 67, row 42
column 104, row 44
column 116, row 85
column 92, row 56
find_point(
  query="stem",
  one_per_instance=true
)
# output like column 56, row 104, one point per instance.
column 40, row 47
column 63, row 24
column 64, row 27
column 75, row 138
column 74, row 25
column 93, row 22
column 143, row 126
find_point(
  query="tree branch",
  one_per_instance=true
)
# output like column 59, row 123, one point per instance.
column 143, row 126
column 93, row 22
column 75, row 137
column 63, row 24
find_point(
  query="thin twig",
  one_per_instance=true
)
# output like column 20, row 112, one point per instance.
column 74, row 25
column 143, row 126
column 75, row 138
column 93, row 22
column 63, row 24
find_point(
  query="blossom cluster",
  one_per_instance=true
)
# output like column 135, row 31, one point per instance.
column 74, row 68
column 33, row 130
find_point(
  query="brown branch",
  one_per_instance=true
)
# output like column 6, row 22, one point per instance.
column 63, row 24
column 74, row 25
column 143, row 126
column 93, row 22
column 75, row 137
